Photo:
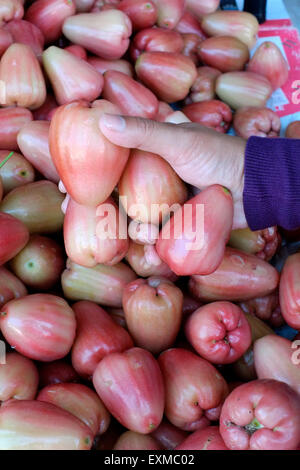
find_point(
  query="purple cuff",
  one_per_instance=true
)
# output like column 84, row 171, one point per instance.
column 272, row 183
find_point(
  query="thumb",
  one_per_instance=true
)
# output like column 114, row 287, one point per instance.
column 171, row 141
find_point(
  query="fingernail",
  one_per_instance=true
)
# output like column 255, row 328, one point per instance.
column 113, row 122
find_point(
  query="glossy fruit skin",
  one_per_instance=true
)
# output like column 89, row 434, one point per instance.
column 240, row 89
column 10, row 10
column 39, row 326
column 10, row 286
column 190, row 46
column 18, row 378
column 266, row 308
column 189, row 24
column 56, row 372
column 187, row 254
column 148, row 180
column 40, row 209
column 239, row 24
column 153, row 312
column 26, row 33
column 97, row 336
column 83, row 5
column 130, row 440
column 133, row 98
column 269, row 62
column 102, row 65
column 244, row 368
column 46, row 111
column 80, row 401
column 131, row 387
column 224, row 53
column 293, row 130
column 262, row 243
column 80, row 151
column 169, row 12
column 219, row 332
column 16, row 171
column 260, row 122
column 33, row 140
column 24, row 84
column 13, row 237
column 77, row 51
column 59, row 65
column 289, row 291
column 142, row 13
column 34, row 425
column 11, row 121
column 84, row 241
column 168, row 435
column 156, row 39
column 203, row 88
column 49, row 16
column 40, row 263
column 269, row 403
column 193, row 388
column 6, row 40
column 167, row 74
column 101, row 284
column 212, row 113
column 276, row 358
column 202, row 7
column 208, row 438
column 145, row 261
column 252, row 277
column 106, row 33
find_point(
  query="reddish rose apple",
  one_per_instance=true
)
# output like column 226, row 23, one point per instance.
column 97, row 336
column 56, row 372
column 240, row 276
column 10, row 10
column 130, row 440
column 193, row 240
column 266, row 308
column 16, row 171
column 168, row 75
column 83, row 5
column 202, row 7
column 80, row 401
column 238, row 24
column 85, row 84
column 80, row 151
column 37, row 205
column 261, row 122
column 106, row 33
column 289, row 291
column 77, row 51
column 262, row 243
column 34, row 425
column 131, row 387
column 190, row 46
column 18, row 378
column 133, row 98
column 11, row 121
column 21, row 78
column 242, row 89
column 153, row 312
column 193, row 388
column 212, row 113
column 208, row 438
column 102, row 65
column 142, row 13
column 145, row 261
column 46, row 111
column 40, row 263
column 26, row 33
column 219, row 332
column 6, row 40
column 203, row 89
column 10, row 287
column 168, row 435
column 13, row 237
column 49, row 16
column 169, row 12
column 261, row 415
column 39, row 326
column 95, row 235
column 269, row 61
column 33, row 141
column 277, row 358
column 293, row 130
column 149, row 187
column 101, row 284
column 156, row 39
column 224, row 53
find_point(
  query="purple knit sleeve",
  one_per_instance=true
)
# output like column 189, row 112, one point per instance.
column 272, row 183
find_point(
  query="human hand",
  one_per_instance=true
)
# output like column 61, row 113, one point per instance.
column 200, row 156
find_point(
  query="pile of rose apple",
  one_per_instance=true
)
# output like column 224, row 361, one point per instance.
column 135, row 340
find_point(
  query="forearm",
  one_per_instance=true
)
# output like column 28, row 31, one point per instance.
column 272, row 183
